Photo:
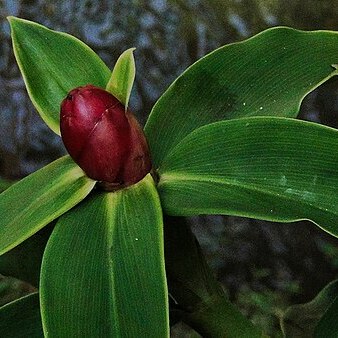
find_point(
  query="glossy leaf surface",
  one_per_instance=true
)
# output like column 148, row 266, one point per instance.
column 21, row 318
column 108, row 251
column 38, row 199
column 52, row 63
column 266, row 75
column 269, row 168
column 301, row 320
column 123, row 76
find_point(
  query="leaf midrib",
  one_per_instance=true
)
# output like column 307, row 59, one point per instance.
column 112, row 200
column 172, row 177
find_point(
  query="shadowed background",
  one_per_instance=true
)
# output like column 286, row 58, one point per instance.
column 264, row 266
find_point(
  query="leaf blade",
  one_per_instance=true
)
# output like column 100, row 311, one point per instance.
column 264, row 75
column 52, row 190
column 52, row 63
column 269, row 168
column 122, row 78
column 109, row 250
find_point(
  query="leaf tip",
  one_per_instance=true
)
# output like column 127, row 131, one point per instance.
column 14, row 22
column 130, row 53
column 13, row 19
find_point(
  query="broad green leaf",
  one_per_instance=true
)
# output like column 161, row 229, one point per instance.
column 276, row 169
column 21, row 318
column 103, row 269
column 268, row 74
column 39, row 198
column 52, row 63
column 123, row 76
column 300, row 320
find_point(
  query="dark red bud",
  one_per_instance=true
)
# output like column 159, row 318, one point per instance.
column 103, row 139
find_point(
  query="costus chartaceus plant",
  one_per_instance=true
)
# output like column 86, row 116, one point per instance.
column 103, row 137
column 223, row 139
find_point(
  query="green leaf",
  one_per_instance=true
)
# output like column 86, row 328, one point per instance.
column 276, row 169
column 123, row 76
column 268, row 74
column 300, row 320
column 52, row 63
column 103, row 269
column 21, row 318
column 33, row 202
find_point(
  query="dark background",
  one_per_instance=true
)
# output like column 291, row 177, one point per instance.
column 264, row 266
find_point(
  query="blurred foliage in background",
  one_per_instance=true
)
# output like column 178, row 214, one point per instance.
column 264, row 266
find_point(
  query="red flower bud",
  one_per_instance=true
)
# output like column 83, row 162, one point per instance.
column 103, row 139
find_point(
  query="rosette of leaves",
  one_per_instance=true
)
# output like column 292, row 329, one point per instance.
column 223, row 140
